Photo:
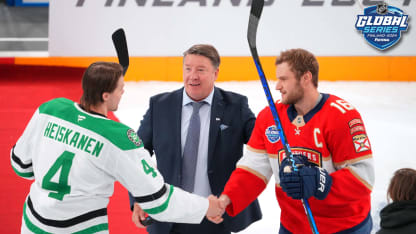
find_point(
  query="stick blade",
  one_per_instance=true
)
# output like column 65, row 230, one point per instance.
column 120, row 43
column 257, row 8
column 253, row 22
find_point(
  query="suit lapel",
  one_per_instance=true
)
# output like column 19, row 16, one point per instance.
column 176, row 123
column 217, row 112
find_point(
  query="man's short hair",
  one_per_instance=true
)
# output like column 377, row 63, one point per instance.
column 300, row 61
column 207, row 51
column 98, row 78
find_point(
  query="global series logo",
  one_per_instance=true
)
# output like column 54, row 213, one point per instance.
column 381, row 25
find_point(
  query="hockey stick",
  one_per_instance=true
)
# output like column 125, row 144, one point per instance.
column 120, row 43
column 255, row 13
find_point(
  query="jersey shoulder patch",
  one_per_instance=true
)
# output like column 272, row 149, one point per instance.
column 131, row 134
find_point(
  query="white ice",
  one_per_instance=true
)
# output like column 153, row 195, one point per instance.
column 387, row 108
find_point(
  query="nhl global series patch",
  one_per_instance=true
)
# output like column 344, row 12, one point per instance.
column 272, row 134
column 381, row 25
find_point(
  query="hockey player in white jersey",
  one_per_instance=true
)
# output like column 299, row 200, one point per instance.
column 75, row 154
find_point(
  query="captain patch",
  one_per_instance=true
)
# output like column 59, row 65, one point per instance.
column 361, row 143
column 131, row 134
column 272, row 134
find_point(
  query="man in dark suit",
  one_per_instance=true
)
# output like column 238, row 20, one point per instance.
column 225, row 123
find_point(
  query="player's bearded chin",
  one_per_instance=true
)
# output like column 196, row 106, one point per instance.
column 293, row 97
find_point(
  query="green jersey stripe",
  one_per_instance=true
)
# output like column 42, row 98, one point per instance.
column 23, row 174
column 94, row 229
column 66, row 109
column 30, row 225
column 35, row 229
column 162, row 207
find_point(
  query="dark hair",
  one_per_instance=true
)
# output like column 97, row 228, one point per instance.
column 98, row 78
column 301, row 61
column 402, row 185
column 205, row 50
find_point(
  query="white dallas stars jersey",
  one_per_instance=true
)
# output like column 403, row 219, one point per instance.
column 75, row 157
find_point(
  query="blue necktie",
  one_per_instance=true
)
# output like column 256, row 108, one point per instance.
column 190, row 150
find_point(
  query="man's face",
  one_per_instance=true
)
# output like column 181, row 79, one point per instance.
column 198, row 76
column 289, row 87
column 115, row 96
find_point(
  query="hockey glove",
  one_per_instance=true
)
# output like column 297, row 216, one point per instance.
column 300, row 161
column 315, row 182
column 307, row 181
column 290, row 181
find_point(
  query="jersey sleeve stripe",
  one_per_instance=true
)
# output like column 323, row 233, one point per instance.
column 327, row 158
column 20, row 168
column 257, row 164
column 273, row 156
column 342, row 164
column 27, row 175
column 361, row 173
column 152, row 197
column 162, row 207
column 19, row 162
column 256, row 150
column 360, row 179
column 68, row 222
column 254, row 172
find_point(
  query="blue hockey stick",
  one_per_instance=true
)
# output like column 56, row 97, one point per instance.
column 255, row 13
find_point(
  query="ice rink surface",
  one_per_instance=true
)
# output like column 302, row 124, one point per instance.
column 387, row 108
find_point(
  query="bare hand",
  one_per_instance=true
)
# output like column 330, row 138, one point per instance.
column 215, row 210
column 138, row 214
column 224, row 201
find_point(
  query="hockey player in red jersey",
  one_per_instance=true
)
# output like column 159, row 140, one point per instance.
column 329, row 142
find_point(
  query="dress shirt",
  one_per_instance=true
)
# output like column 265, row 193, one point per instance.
column 202, row 186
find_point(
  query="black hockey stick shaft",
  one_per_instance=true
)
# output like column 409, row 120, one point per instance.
column 255, row 13
column 120, row 43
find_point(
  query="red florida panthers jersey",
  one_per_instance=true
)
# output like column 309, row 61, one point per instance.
column 332, row 135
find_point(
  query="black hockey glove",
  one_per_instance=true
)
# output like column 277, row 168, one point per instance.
column 307, row 181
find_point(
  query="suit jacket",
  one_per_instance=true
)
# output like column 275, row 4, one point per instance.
column 160, row 131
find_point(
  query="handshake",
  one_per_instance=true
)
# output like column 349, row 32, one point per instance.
column 214, row 213
column 217, row 207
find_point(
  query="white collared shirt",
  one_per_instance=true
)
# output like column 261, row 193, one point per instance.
column 202, row 186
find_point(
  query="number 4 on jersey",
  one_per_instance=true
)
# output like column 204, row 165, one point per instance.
column 61, row 188
column 148, row 169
